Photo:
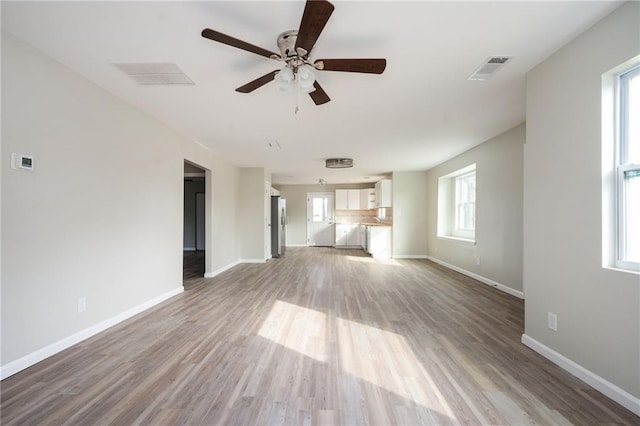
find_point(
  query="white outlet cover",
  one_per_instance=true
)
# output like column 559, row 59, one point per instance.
column 552, row 321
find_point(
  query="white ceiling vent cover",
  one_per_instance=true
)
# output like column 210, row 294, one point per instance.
column 489, row 67
column 161, row 73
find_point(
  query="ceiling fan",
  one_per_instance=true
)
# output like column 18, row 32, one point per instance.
column 295, row 48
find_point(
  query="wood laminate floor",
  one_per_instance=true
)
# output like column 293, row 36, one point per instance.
column 192, row 264
column 320, row 336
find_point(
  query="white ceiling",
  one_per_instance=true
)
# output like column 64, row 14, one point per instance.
column 419, row 113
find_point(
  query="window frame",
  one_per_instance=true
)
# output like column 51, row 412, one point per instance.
column 458, row 230
column 623, row 166
column 447, row 207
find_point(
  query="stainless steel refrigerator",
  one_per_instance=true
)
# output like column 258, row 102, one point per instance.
column 278, row 225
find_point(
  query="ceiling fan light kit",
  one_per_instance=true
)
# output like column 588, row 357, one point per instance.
column 338, row 163
column 295, row 48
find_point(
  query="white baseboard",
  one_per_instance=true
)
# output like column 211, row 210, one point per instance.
column 297, row 245
column 484, row 280
column 410, row 256
column 607, row 388
column 253, row 260
column 28, row 360
column 221, row 270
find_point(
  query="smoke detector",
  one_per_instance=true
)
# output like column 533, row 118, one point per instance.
column 338, row 163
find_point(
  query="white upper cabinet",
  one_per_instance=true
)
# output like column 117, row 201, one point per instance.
column 383, row 193
column 342, row 199
column 354, row 199
column 348, row 199
column 367, row 198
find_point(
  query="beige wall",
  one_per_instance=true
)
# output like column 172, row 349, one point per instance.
column 252, row 213
column 410, row 205
column 497, row 254
column 598, row 309
column 101, row 215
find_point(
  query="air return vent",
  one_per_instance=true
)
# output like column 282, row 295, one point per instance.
column 161, row 73
column 338, row 163
column 489, row 67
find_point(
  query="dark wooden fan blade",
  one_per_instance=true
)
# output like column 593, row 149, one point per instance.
column 319, row 96
column 371, row 66
column 234, row 42
column 258, row 82
column 314, row 18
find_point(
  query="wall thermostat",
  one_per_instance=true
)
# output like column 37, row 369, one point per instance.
column 21, row 161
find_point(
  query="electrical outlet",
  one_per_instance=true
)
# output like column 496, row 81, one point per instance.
column 82, row 304
column 478, row 260
column 552, row 321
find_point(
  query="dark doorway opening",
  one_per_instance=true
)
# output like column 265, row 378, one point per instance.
column 194, row 235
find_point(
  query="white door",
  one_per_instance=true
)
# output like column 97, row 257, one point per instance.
column 320, row 219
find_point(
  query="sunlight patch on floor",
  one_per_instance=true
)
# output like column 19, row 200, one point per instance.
column 385, row 359
column 300, row 329
column 378, row 261
column 376, row 356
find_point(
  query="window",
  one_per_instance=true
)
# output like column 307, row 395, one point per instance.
column 457, row 204
column 628, row 170
column 320, row 209
column 465, row 204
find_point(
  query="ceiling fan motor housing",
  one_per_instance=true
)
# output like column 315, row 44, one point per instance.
column 287, row 44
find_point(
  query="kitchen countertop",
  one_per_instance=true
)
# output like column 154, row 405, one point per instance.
column 364, row 223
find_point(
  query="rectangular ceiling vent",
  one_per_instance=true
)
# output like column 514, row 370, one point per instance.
column 489, row 67
column 161, row 73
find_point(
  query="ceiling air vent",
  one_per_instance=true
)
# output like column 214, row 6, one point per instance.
column 161, row 73
column 489, row 67
column 338, row 163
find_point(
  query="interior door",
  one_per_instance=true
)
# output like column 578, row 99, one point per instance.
column 320, row 219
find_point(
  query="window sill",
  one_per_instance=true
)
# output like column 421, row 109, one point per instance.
column 628, row 267
column 466, row 241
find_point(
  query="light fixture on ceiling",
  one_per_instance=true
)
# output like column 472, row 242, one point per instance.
column 298, row 72
column 338, row 163
column 301, row 77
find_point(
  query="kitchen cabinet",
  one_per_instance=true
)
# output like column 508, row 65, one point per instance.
column 367, row 198
column 347, row 235
column 347, row 199
column 383, row 193
column 379, row 241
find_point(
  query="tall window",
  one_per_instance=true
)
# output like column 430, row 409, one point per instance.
column 457, row 204
column 628, row 170
column 465, row 204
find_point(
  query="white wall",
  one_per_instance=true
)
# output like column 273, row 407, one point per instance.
column 101, row 216
column 410, row 204
column 499, row 186
column 598, row 309
column 252, row 214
